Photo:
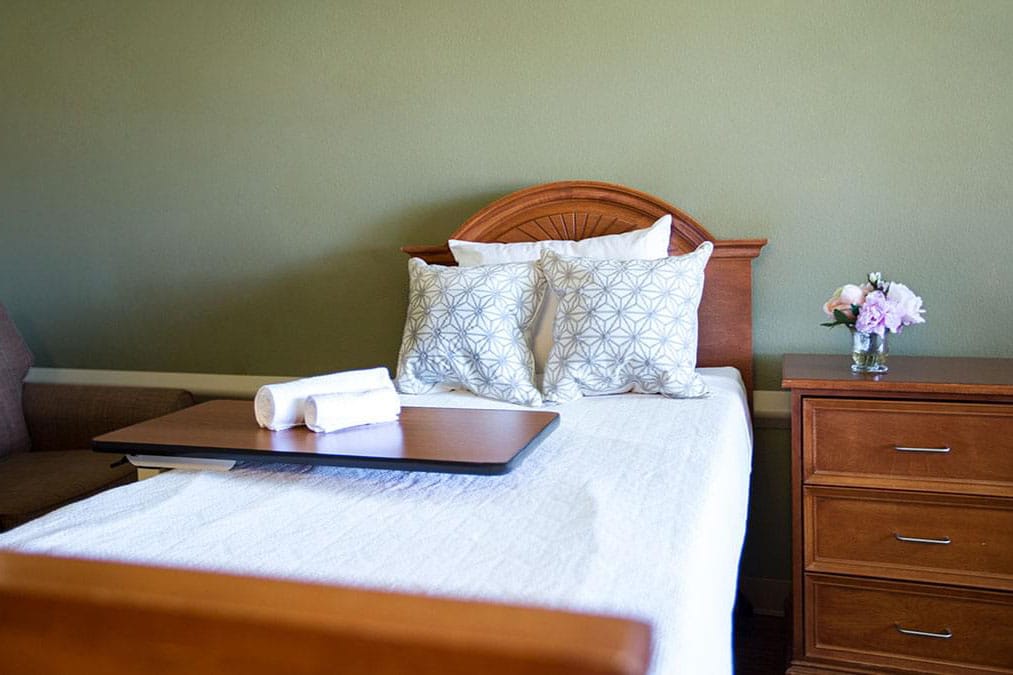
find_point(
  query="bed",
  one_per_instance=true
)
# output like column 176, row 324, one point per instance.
column 613, row 548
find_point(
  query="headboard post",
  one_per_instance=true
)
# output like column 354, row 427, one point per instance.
column 726, row 309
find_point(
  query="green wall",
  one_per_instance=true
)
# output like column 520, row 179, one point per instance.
column 222, row 186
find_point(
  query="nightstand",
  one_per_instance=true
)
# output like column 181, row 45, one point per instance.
column 902, row 515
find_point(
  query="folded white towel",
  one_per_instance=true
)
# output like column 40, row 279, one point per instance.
column 330, row 412
column 282, row 406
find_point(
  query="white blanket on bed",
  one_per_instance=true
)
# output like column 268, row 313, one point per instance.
column 635, row 505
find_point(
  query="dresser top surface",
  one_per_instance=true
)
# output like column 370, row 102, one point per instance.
column 907, row 374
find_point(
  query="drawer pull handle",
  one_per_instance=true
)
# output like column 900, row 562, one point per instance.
column 945, row 635
column 920, row 540
column 902, row 448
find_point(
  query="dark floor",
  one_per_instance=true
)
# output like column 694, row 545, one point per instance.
column 760, row 645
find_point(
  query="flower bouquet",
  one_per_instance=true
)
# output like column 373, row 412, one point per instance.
column 871, row 311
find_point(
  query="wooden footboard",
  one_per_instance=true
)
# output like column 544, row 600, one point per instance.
column 61, row 615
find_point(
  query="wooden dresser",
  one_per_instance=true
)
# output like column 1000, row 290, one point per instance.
column 902, row 510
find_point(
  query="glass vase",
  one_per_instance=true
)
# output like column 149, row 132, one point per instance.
column 868, row 352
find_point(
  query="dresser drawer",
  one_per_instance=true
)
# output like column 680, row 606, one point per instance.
column 919, row 537
column 927, row 629
column 955, row 447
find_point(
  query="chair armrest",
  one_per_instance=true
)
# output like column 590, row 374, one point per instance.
column 68, row 416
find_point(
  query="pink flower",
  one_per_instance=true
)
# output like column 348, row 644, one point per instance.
column 844, row 297
column 877, row 306
column 875, row 314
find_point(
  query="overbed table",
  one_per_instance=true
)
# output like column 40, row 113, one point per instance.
column 449, row 440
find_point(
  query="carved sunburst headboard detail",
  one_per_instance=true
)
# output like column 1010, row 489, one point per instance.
column 569, row 225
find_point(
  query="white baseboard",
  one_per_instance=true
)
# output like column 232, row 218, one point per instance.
column 767, row 596
column 201, row 385
column 771, row 409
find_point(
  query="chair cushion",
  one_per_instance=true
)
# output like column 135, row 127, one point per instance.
column 34, row 483
column 15, row 360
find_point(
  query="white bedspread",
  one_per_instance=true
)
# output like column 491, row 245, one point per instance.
column 635, row 505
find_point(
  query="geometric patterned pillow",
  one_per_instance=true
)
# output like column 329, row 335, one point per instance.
column 646, row 244
column 625, row 325
column 468, row 327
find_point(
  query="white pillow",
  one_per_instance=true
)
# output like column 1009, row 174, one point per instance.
column 625, row 325
column 467, row 327
column 645, row 244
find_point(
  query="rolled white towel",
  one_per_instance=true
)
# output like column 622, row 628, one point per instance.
column 331, row 412
column 282, row 406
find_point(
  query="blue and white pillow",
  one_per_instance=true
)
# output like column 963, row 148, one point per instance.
column 625, row 325
column 469, row 327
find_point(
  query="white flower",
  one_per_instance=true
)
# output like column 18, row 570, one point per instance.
column 907, row 305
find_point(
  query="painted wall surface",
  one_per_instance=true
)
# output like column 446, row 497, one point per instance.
column 223, row 186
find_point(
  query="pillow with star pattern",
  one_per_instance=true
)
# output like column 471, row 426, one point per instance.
column 469, row 327
column 625, row 325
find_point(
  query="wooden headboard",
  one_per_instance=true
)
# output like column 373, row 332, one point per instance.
column 582, row 209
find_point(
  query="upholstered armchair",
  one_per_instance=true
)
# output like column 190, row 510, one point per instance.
column 46, row 432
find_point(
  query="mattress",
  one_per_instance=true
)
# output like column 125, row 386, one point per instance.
column 634, row 506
